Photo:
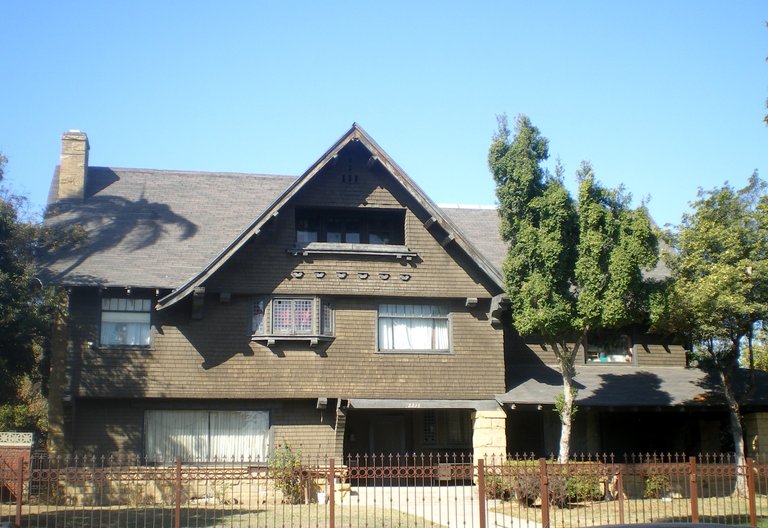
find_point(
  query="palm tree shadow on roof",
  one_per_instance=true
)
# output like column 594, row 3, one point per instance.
column 110, row 221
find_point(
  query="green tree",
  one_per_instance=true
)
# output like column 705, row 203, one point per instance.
column 25, row 314
column 572, row 266
column 720, row 287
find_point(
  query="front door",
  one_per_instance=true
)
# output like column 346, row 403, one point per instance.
column 387, row 434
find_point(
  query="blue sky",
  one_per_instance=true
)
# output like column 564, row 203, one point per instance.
column 663, row 97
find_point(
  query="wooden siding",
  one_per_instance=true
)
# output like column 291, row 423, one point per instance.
column 108, row 427
column 649, row 351
column 215, row 358
column 265, row 265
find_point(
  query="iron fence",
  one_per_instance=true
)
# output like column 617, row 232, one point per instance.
column 381, row 490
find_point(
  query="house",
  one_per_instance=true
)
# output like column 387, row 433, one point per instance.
column 342, row 312
column 212, row 315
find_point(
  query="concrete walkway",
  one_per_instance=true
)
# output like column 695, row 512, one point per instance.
column 440, row 505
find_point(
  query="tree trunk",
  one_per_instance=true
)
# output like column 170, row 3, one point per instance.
column 567, row 359
column 566, row 417
column 737, row 431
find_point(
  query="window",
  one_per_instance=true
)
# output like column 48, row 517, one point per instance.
column 206, row 435
column 125, row 322
column 350, row 226
column 413, row 327
column 608, row 347
column 288, row 316
column 292, row 316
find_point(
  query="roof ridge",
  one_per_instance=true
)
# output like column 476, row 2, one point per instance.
column 193, row 172
column 467, row 206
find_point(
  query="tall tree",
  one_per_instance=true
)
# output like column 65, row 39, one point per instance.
column 25, row 311
column 720, row 288
column 571, row 267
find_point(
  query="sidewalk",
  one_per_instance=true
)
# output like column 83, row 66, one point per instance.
column 440, row 505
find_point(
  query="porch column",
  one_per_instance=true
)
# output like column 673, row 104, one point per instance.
column 756, row 429
column 489, row 432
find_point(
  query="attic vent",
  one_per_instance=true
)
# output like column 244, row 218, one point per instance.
column 348, row 176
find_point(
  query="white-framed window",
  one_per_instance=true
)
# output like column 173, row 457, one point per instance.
column 206, row 435
column 292, row 316
column 413, row 328
column 125, row 321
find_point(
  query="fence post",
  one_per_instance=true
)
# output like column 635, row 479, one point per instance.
column 694, row 485
column 331, row 493
column 177, row 517
column 481, row 491
column 620, row 483
column 19, row 490
column 751, row 492
column 544, row 493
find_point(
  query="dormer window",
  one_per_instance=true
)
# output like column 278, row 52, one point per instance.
column 350, row 226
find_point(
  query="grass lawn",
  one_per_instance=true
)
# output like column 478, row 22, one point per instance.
column 723, row 510
column 286, row 516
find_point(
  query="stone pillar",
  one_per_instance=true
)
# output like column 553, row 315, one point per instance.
column 756, row 432
column 13, row 448
column 489, row 433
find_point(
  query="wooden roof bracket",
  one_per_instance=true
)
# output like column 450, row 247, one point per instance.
column 499, row 304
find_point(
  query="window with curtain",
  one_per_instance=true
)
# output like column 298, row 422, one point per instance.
column 413, row 327
column 125, row 322
column 206, row 435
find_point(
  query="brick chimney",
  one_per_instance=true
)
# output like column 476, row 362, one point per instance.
column 73, row 168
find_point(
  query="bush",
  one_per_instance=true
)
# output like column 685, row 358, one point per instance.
column 496, row 487
column 285, row 470
column 656, row 486
column 583, row 488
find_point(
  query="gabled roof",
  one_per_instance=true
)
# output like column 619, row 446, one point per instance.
column 355, row 133
column 172, row 229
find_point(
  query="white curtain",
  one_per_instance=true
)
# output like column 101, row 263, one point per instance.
column 206, row 435
column 125, row 328
column 237, row 435
column 171, row 434
column 413, row 327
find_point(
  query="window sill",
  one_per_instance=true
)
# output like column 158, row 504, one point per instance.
column 272, row 340
column 122, row 347
column 610, row 362
column 414, row 352
column 332, row 248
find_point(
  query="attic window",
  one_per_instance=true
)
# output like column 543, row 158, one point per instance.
column 350, row 226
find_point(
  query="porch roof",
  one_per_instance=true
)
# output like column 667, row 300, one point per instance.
column 630, row 386
column 415, row 405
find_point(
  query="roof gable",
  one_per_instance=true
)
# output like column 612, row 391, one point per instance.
column 354, row 134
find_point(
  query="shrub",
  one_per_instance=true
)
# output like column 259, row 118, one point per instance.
column 285, row 470
column 583, row 488
column 656, row 486
column 497, row 487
